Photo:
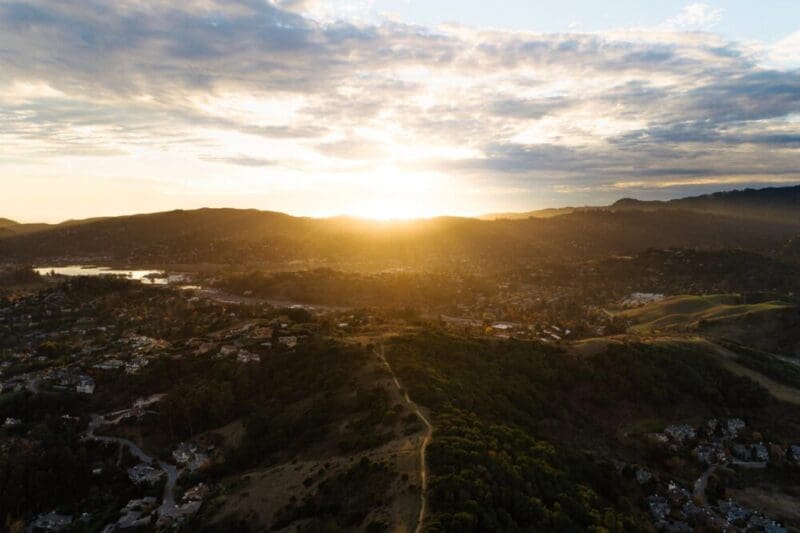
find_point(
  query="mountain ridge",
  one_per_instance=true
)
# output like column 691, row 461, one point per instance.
column 775, row 200
column 226, row 235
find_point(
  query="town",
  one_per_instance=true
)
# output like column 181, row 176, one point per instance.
column 100, row 360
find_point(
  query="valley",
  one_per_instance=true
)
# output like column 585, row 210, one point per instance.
column 654, row 390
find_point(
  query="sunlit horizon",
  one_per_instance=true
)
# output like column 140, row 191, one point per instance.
column 388, row 110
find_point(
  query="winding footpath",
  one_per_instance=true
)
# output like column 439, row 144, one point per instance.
column 423, row 468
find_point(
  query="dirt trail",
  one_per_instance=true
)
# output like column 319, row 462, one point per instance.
column 423, row 469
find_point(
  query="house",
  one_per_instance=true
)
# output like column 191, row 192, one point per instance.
column 288, row 341
column 143, row 473
column 711, row 453
column 638, row 299
column 741, row 452
column 760, row 452
column 248, row 357
column 110, row 364
column 11, row 386
column 189, row 456
column 228, row 350
column 659, row 507
column 733, row 512
column 85, row 385
column 680, row 433
column 794, row 451
column 196, row 493
column 659, row 438
column 184, row 453
column 760, row 523
column 133, row 366
column 51, row 521
column 135, row 514
column 734, row 426
column 263, row 332
column 643, row 476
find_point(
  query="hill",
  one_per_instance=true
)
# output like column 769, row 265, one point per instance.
column 685, row 312
column 768, row 203
column 539, row 213
column 773, row 203
column 10, row 228
column 249, row 236
column 518, row 425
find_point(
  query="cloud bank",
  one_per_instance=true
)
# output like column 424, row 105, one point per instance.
column 255, row 91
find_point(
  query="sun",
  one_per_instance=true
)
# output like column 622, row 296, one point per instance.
column 388, row 193
column 392, row 209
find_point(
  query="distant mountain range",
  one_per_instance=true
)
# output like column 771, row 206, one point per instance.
column 770, row 203
column 764, row 219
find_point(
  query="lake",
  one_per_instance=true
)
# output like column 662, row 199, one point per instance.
column 144, row 276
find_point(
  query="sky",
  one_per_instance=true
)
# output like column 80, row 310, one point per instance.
column 390, row 108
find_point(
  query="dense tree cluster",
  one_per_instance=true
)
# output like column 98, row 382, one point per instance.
column 334, row 287
column 18, row 275
column 518, row 426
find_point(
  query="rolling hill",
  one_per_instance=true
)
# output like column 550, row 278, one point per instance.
column 685, row 312
column 237, row 236
column 231, row 236
column 767, row 203
column 772, row 203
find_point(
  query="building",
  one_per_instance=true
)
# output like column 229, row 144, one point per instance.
column 50, row 522
column 143, row 473
column 85, row 385
column 289, row 341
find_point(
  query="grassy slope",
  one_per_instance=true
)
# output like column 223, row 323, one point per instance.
column 687, row 311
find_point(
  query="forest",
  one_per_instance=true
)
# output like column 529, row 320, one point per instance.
column 524, row 431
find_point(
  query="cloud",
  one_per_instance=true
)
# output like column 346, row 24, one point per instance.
column 242, row 160
column 786, row 52
column 696, row 16
column 272, row 85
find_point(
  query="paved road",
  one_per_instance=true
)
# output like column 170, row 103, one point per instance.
column 168, row 498
column 700, row 486
column 702, row 482
column 423, row 470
